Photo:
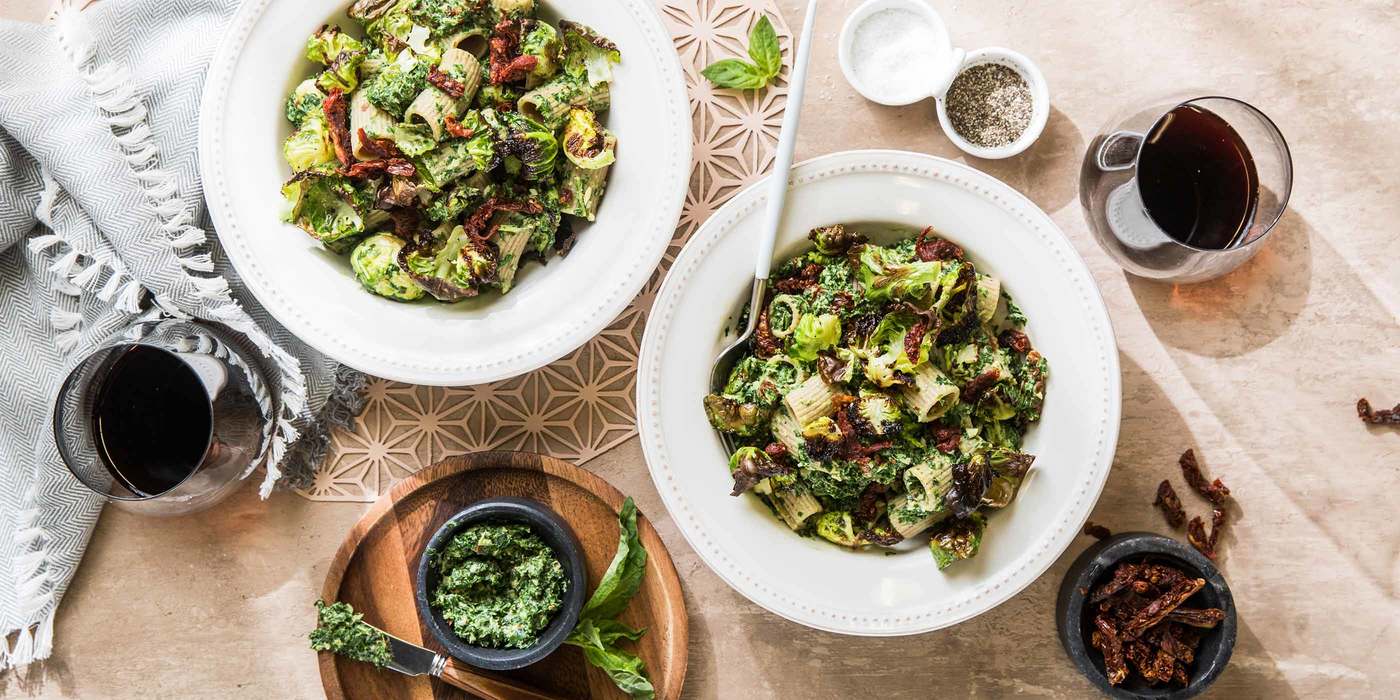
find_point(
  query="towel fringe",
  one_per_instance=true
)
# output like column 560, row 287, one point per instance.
column 33, row 589
column 64, row 320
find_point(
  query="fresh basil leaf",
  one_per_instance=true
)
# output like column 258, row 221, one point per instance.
column 734, row 73
column 625, row 669
column 764, row 49
column 624, row 575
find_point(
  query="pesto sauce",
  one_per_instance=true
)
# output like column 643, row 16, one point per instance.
column 341, row 630
column 499, row 586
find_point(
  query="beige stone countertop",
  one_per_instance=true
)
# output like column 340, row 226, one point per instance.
column 1258, row 371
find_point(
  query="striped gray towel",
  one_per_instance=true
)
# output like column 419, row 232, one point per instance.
column 102, row 221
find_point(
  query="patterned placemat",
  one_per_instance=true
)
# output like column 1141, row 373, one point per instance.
column 584, row 404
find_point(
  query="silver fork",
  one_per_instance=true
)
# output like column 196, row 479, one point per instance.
column 773, row 214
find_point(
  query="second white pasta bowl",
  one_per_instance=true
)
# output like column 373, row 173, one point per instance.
column 552, row 309
column 888, row 195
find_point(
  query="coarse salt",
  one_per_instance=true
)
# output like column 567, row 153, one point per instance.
column 892, row 52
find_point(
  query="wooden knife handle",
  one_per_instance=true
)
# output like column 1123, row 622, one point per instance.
column 490, row 687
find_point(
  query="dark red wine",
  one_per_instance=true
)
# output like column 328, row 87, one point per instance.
column 152, row 420
column 1198, row 180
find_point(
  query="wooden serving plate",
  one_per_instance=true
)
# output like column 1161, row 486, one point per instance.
column 375, row 567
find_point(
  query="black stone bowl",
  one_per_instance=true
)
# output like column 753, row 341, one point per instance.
column 1096, row 565
column 555, row 532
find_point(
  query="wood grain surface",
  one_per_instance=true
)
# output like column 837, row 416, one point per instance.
column 375, row 567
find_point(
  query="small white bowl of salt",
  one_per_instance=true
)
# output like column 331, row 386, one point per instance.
column 897, row 52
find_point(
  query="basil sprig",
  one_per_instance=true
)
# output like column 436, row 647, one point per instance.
column 598, row 631
column 740, row 74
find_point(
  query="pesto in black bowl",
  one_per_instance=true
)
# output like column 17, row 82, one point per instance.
column 501, row 583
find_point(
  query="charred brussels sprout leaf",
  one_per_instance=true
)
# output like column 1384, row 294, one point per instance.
column 971, row 479
column 837, row 366
column 1008, row 469
column 730, row 416
column 750, row 465
column 309, row 147
column 586, row 143
column 376, row 264
column 955, row 540
column 327, row 207
column 587, row 54
column 541, row 41
column 451, row 266
column 340, row 53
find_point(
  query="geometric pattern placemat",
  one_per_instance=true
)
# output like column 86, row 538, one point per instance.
column 582, row 405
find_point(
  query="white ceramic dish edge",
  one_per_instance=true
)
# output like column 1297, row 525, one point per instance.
column 563, row 336
column 1054, row 538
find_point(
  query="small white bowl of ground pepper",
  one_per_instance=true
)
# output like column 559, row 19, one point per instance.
column 997, row 105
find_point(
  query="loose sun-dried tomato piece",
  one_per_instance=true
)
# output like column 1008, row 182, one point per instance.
column 393, row 166
column 978, row 385
column 1096, row 530
column 440, row 80
column 455, row 128
column 1385, row 416
column 936, row 248
column 1215, row 492
column 947, row 438
column 380, row 148
column 337, row 110
column 1169, row 503
column 1205, row 618
column 1016, row 340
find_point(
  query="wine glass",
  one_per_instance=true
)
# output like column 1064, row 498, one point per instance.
column 165, row 417
column 1187, row 188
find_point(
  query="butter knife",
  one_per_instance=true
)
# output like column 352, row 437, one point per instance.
column 413, row 660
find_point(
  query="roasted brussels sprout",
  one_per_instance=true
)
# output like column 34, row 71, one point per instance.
column 586, row 143
column 309, row 147
column 834, row 240
column 971, row 479
column 340, row 53
column 731, row 416
column 1009, row 469
column 328, row 207
column 838, row 526
column 587, row 54
column 513, row 8
column 814, row 333
column 956, row 539
column 443, row 17
column 527, row 146
column 376, row 264
column 305, row 99
column 541, row 40
column 822, row 429
column 875, row 416
column 451, row 265
column 750, row 465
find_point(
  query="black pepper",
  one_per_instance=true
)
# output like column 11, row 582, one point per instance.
column 989, row 105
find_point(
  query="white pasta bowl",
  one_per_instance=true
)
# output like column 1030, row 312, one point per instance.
column 809, row 580
column 552, row 310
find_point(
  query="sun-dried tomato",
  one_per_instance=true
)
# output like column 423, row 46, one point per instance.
column 1096, row 530
column 1196, row 535
column 765, row 344
column 1215, row 492
column 393, row 166
column 947, row 438
column 1205, row 618
column 841, row 302
column 1385, row 416
column 1016, row 340
column 455, row 128
column 442, row 81
column 867, row 507
column 336, row 108
column 913, row 339
column 1170, row 504
column 1105, row 639
column 800, row 281
column 978, row 385
column 506, row 65
column 380, row 148
column 1160, row 606
column 936, row 248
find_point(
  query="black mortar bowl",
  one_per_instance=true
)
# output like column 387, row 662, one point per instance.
column 1096, row 565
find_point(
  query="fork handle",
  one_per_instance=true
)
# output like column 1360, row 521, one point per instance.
column 490, row 687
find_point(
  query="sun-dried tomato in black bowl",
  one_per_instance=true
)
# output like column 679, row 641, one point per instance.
column 1145, row 616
